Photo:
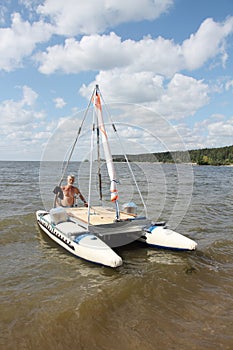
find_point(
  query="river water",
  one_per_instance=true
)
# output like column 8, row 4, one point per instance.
column 158, row 299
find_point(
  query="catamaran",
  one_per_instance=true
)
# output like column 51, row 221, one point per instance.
column 92, row 232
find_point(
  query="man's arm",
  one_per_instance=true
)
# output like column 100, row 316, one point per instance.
column 81, row 196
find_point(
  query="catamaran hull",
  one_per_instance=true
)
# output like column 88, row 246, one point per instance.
column 162, row 237
column 78, row 241
column 68, row 229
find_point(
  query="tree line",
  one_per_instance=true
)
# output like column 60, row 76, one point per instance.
column 205, row 156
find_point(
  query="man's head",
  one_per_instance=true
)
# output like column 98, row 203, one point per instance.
column 70, row 179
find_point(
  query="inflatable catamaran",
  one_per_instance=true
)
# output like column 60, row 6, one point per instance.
column 92, row 232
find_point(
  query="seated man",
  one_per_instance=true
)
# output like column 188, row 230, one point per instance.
column 69, row 192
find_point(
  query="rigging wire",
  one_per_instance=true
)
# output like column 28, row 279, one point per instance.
column 125, row 155
column 73, row 147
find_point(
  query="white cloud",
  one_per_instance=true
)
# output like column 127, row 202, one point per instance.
column 105, row 52
column 20, row 40
column 120, row 86
column 20, row 112
column 59, row 102
column 67, row 18
column 207, row 43
column 90, row 53
column 21, row 124
column 177, row 99
column 221, row 129
column 181, row 97
column 29, row 96
column 96, row 52
column 229, row 85
column 74, row 17
column 214, row 131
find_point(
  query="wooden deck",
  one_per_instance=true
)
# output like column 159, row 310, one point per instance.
column 98, row 215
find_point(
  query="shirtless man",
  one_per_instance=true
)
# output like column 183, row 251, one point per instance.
column 69, row 192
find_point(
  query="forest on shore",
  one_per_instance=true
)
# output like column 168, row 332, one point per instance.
column 205, row 156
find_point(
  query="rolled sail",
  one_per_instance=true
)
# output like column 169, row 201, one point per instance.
column 106, row 147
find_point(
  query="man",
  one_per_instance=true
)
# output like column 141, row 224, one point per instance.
column 69, row 192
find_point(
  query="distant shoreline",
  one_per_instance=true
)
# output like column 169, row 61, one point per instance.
column 207, row 156
column 221, row 156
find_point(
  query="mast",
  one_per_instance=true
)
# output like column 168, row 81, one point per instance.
column 91, row 166
column 107, row 151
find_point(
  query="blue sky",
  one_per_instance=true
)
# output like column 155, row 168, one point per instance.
column 172, row 57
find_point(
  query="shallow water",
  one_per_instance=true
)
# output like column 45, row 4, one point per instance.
column 158, row 299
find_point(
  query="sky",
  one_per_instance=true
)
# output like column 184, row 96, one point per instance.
column 166, row 64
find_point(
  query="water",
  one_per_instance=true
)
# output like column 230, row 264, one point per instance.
column 156, row 300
